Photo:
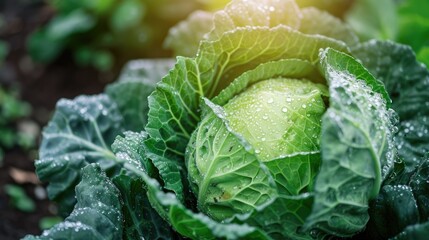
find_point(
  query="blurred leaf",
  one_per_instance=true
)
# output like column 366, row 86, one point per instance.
column 103, row 60
column 6, row 137
column 11, row 107
column 423, row 55
column 414, row 31
column 42, row 47
column 127, row 15
column 184, row 38
column 63, row 26
column 98, row 6
column 66, row 6
column 414, row 26
column 373, row 19
column 212, row 5
column 4, row 49
column 415, row 7
column 335, row 7
column 83, row 55
column 48, row 222
column 1, row 157
column 19, row 199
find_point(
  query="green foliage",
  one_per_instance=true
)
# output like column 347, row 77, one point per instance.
column 101, row 32
column 97, row 214
column 281, row 126
column 48, row 222
column 4, row 49
column 11, row 110
column 404, row 21
column 19, row 199
column 406, row 81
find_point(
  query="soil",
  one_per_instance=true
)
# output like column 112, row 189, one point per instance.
column 41, row 86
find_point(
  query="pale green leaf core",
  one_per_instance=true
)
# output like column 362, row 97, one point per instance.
column 279, row 117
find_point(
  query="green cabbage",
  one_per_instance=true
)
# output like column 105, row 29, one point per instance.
column 273, row 129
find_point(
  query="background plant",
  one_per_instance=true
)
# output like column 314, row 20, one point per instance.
column 99, row 33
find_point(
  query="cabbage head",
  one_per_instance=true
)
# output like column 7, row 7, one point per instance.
column 274, row 122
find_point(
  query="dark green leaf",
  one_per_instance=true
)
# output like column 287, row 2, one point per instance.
column 194, row 225
column 136, row 82
column 356, row 145
column 80, row 132
column 394, row 209
column 283, row 218
column 414, row 232
column 141, row 220
column 97, row 214
column 407, row 82
column 131, row 149
column 420, row 185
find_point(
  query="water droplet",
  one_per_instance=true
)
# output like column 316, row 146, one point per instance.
column 304, row 106
column 284, row 109
column 271, row 100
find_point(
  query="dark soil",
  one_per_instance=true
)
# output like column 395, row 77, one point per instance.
column 42, row 87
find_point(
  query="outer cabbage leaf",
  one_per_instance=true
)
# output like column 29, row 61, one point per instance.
column 149, row 71
column 357, row 148
column 401, row 210
column 415, row 232
column 190, row 224
column 136, row 82
column 184, row 38
column 141, row 220
column 256, row 13
column 315, row 21
column 407, row 82
column 97, row 214
column 82, row 130
column 79, row 133
column 335, row 7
